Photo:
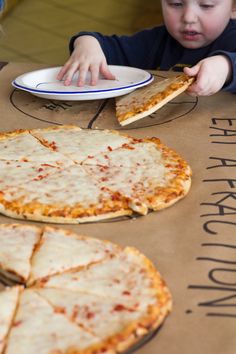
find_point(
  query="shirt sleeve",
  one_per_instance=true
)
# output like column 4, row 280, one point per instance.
column 231, row 85
column 226, row 45
column 138, row 50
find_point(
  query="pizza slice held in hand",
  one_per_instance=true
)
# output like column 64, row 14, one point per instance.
column 146, row 100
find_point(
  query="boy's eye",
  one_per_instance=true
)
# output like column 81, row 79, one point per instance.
column 175, row 4
column 206, row 6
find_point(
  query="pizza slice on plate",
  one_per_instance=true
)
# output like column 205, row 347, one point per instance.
column 16, row 248
column 146, row 100
column 61, row 250
column 9, row 298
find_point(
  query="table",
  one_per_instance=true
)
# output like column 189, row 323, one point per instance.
column 192, row 243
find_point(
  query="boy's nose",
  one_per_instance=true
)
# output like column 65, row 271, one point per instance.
column 189, row 15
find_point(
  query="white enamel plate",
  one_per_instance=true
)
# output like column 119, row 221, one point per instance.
column 43, row 83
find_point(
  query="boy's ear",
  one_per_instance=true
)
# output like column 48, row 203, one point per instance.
column 233, row 12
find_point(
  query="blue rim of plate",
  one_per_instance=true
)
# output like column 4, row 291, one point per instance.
column 142, row 83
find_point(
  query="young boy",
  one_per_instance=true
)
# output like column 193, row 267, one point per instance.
column 198, row 37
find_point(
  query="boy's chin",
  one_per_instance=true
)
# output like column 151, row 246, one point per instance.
column 192, row 45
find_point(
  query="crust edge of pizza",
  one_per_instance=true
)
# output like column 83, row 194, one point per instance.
column 37, row 216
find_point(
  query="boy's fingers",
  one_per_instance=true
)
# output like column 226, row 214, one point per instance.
column 191, row 71
column 62, row 72
column 82, row 75
column 107, row 73
column 94, row 69
column 69, row 72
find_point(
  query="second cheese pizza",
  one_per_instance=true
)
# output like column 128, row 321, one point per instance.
column 66, row 174
column 74, row 294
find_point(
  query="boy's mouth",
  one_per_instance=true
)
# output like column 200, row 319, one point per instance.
column 191, row 35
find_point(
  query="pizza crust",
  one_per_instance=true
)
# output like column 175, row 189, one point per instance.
column 38, row 214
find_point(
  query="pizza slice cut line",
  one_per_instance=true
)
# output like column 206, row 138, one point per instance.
column 9, row 301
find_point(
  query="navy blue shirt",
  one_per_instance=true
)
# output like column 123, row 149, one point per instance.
column 156, row 49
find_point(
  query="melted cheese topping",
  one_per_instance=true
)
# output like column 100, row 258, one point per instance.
column 25, row 147
column 15, row 173
column 129, row 155
column 101, row 316
column 79, row 144
column 112, row 278
column 70, row 186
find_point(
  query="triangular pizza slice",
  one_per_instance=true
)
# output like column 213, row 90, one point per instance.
column 17, row 243
column 146, row 100
column 61, row 250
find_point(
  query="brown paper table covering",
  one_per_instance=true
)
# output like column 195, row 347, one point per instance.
column 192, row 243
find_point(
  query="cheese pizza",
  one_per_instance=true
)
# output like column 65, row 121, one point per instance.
column 66, row 174
column 82, row 295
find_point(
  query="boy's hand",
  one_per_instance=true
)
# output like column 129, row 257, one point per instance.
column 87, row 56
column 211, row 75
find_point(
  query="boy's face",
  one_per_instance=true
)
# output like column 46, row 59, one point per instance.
column 196, row 23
